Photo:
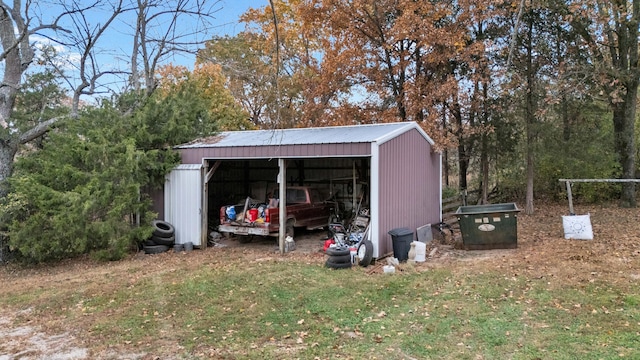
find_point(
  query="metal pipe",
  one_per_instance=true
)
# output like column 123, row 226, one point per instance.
column 601, row 180
column 569, row 181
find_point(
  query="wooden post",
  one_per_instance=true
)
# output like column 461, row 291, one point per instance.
column 570, row 198
column 282, row 190
column 354, row 193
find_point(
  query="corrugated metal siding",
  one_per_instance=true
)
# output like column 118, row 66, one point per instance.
column 409, row 186
column 303, row 136
column 183, row 202
column 195, row 155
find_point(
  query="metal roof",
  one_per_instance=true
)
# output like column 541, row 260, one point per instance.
column 304, row 136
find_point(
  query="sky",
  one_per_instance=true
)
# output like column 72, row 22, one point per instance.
column 225, row 23
column 115, row 47
column 231, row 11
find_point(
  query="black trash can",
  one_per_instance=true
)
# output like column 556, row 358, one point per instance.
column 402, row 238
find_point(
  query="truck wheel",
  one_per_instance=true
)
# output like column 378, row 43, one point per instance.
column 289, row 229
column 245, row 239
column 365, row 253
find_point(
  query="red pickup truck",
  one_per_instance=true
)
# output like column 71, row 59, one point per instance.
column 305, row 209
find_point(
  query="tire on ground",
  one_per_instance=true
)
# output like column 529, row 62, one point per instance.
column 155, row 249
column 245, row 239
column 149, row 242
column 337, row 251
column 159, row 240
column 340, row 258
column 333, row 265
column 162, row 228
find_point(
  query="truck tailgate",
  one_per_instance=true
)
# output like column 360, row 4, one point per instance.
column 244, row 230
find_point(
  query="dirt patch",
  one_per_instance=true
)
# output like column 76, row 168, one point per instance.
column 27, row 342
column 542, row 253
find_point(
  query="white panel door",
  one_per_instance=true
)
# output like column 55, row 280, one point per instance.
column 183, row 202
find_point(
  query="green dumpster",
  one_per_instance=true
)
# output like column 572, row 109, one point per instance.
column 492, row 226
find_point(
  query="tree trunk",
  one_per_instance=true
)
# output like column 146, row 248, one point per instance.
column 445, row 165
column 566, row 125
column 463, row 164
column 623, row 125
column 529, row 208
column 484, row 165
column 529, row 122
column 464, row 148
column 12, row 67
column 484, row 152
column 445, row 157
column 10, row 85
column 7, row 153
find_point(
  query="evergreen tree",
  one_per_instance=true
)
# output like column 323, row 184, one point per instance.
column 82, row 191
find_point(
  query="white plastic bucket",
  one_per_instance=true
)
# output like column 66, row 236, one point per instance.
column 421, row 251
column 388, row 269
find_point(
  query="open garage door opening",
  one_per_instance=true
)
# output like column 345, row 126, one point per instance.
column 253, row 184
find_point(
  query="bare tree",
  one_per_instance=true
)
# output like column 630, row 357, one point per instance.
column 87, row 30
column 160, row 33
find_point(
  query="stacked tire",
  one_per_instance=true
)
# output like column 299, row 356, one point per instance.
column 163, row 238
column 339, row 258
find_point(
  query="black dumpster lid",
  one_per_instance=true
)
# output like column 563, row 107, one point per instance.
column 400, row 231
column 487, row 209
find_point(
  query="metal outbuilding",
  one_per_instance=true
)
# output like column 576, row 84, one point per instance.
column 392, row 166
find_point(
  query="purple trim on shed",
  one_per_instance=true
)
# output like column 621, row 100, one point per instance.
column 195, row 155
column 408, row 186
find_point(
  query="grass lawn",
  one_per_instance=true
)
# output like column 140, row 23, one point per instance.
column 549, row 299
